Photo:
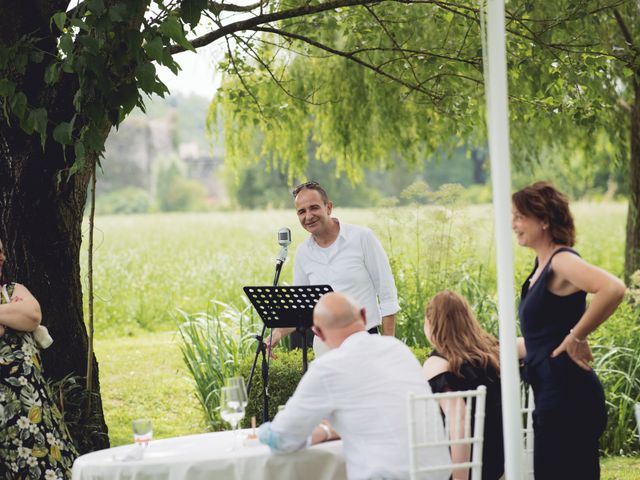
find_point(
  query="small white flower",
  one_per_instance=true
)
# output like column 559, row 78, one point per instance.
column 33, row 428
column 50, row 475
column 23, row 423
column 23, row 381
column 28, row 349
column 50, row 438
column 13, row 466
column 32, row 461
column 24, row 452
column 16, row 442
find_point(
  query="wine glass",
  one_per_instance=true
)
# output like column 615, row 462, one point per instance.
column 239, row 382
column 232, row 408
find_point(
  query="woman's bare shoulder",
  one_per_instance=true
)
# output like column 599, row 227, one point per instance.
column 435, row 366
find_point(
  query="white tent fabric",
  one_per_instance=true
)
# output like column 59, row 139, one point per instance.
column 498, row 126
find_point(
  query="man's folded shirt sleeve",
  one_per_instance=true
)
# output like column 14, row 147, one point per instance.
column 292, row 427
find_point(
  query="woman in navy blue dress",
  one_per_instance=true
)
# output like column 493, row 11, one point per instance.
column 570, row 414
column 465, row 357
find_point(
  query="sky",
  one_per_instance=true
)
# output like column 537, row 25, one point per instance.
column 198, row 75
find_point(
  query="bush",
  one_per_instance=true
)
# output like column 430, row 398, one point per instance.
column 183, row 195
column 285, row 373
column 124, row 201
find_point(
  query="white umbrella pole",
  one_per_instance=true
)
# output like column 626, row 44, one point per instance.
column 498, row 125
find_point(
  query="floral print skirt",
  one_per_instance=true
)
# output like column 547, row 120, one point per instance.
column 34, row 442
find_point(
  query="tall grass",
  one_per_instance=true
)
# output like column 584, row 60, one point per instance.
column 617, row 363
column 213, row 344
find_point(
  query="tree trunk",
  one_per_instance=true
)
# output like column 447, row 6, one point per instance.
column 41, row 221
column 478, row 158
column 632, row 248
column 41, row 226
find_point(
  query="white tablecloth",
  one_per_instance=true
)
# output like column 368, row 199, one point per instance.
column 206, row 456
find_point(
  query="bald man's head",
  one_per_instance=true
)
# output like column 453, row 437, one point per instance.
column 335, row 310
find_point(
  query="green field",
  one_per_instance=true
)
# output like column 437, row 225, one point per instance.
column 149, row 267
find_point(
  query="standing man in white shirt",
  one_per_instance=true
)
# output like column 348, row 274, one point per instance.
column 348, row 257
column 361, row 386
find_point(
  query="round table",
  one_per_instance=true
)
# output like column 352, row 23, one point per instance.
column 207, row 456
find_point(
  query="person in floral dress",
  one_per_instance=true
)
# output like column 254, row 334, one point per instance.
column 34, row 441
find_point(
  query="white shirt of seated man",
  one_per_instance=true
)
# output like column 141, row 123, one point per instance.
column 360, row 386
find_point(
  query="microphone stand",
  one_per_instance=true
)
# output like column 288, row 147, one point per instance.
column 262, row 347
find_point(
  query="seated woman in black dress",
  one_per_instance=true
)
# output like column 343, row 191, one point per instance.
column 465, row 357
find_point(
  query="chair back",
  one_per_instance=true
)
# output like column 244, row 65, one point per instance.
column 528, row 406
column 453, row 421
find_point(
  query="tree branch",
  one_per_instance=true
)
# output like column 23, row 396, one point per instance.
column 251, row 23
column 393, row 41
column 626, row 33
column 278, row 81
column 218, row 7
column 244, row 84
column 349, row 56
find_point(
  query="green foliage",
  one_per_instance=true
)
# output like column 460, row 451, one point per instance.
column 124, row 201
column 433, row 248
column 617, row 353
column 70, row 397
column 357, row 117
column 285, row 372
column 179, row 194
column 212, row 347
column 107, row 65
column 183, row 195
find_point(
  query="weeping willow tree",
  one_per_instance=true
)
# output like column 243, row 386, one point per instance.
column 574, row 80
column 363, row 87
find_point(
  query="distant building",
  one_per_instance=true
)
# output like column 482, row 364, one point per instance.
column 205, row 169
column 133, row 155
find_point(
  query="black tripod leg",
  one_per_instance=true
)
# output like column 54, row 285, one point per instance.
column 304, row 350
column 255, row 359
column 265, row 390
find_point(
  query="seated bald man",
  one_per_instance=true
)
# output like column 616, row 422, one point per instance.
column 361, row 387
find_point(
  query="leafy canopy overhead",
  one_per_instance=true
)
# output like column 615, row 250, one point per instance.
column 571, row 75
column 364, row 81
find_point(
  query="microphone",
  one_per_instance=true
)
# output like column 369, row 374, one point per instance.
column 284, row 240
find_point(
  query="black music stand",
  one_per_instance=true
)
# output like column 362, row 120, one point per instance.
column 287, row 307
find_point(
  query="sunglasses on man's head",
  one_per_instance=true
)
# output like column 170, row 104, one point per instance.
column 302, row 186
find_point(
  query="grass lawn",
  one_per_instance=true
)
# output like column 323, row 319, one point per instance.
column 621, row 468
column 144, row 376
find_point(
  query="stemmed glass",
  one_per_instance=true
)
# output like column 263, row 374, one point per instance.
column 239, row 383
column 232, row 408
